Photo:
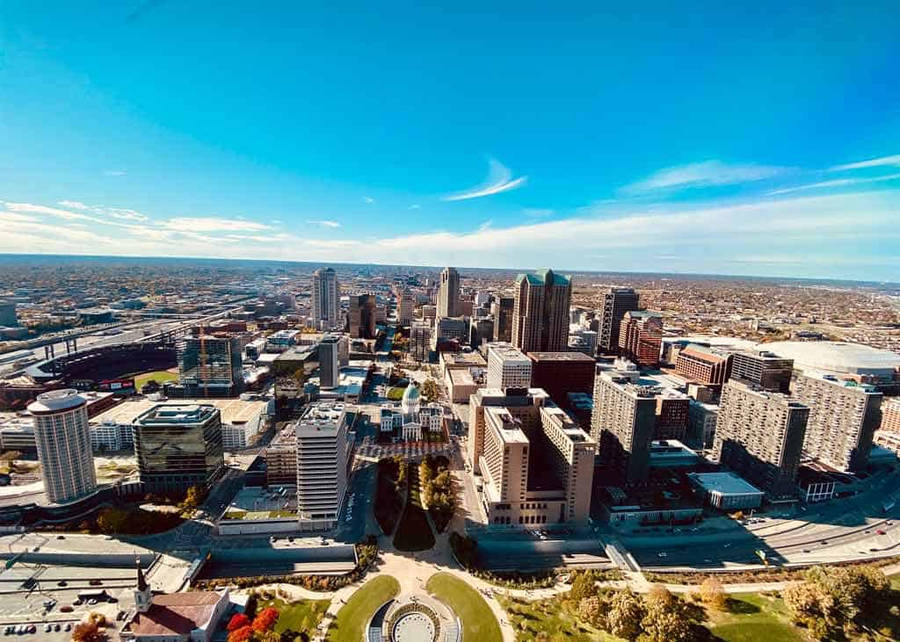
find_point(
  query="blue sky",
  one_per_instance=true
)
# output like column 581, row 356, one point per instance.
column 634, row 136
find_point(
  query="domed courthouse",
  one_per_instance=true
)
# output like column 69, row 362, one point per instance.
column 407, row 422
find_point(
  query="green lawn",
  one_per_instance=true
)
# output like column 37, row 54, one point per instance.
column 753, row 618
column 299, row 617
column 413, row 531
column 531, row 619
column 478, row 621
column 353, row 616
column 895, row 581
column 159, row 376
column 395, row 393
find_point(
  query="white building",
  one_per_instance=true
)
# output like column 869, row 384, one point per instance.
column 507, row 367
column 322, row 457
column 412, row 419
column 63, row 444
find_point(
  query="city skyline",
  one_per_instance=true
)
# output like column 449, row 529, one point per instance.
column 549, row 142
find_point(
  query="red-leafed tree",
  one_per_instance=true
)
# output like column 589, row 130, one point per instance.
column 265, row 619
column 237, row 621
column 241, row 635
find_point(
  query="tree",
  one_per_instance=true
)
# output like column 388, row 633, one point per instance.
column 590, row 609
column 584, row 585
column 265, row 619
column 193, row 497
column 666, row 619
column 237, row 621
column 89, row 631
column 626, row 611
column 242, row 634
column 430, row 390
column 712, row 594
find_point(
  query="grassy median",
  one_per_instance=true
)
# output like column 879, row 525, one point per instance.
column 353, row 616
column 478, row 621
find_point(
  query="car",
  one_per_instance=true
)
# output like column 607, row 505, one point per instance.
column 56, row 627
column 62, row 583
column 68, row 626
column 873, row 550
column 805, row 550
column 7, row 630
column 92, row 602
column 824, row 541
column 60, row 537
column 32, row 629
column 95, row 582
column 66, row 608
column 880, row 532
column 47, row 628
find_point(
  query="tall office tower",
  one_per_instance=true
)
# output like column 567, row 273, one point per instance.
column 420, row 340
column 326, row 299
column 703, row 365
column 448, row 294
column 672, row 410
column 405, row 305
column 322, row 457
column 623, row 424
column 178, row 446
column 560, row 373
column 210, row 366
column 502, row 311
column 843, row 418
column 8, row 314
column 524, row 404
column 63, row 442
column 481, row 330
column 329, row 364
column 759, row 435
column 763, row 369
column 447, row 329
column 507, row 367
column 616, row 302
column 361, row 320
column 640, row 337
column 541, row 312
column 890, row 415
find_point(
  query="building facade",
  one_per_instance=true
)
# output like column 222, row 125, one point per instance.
column 326, row 299
column 361, row 318
column 616, row 302
column 640, row 337
column 178, row 446
column 843, row 418
column 507, row 367
column 759, row 435
column 420, row 340
column 541, row 312
column 210, row 366
column 703, row 365
column 561, row 373
column 63, row 442
column 623, row 423
column 502, row 309
column 322, row 456
column 763, row 369
column 524, row 404
column 448, row 294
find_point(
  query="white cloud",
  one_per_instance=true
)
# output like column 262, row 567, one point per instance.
column 500, row 179
column 414, row 206
column 324, row 223
column 368, row 199
column 43, row 209
column 114, row 172
column 706, row 174
column 884, row 161
column 75, row 205
column 212, row 224
column 837, row 182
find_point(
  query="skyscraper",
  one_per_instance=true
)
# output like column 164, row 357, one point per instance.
column 502, row 311
column 329, row 366
column 640, row 337
column 541, row 312
column 843, row 418
column 507, row 367
column 448, row 294
column 361, row 320
column 63, row 442
column 325, row 299
column 322, row 452
column 616, row 302
column 210, row 366
column 759, row 434
column 405, row 305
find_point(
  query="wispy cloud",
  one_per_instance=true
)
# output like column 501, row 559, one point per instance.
column 706, row 174
column 324, row 223
column 414, row 206
column 212, row 224
column 49, row 211
column 884, row 161
column 486, row 225
column 114, row 172
column 368, row 199
column 500, row 179
column 837, row 182
column 538, row 212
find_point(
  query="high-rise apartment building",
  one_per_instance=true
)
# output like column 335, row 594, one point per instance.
column 507, row 367
column 502, row 310
column 448, row 294
column 361, row 318
column 560, row 373
column 322, row 456
column 63, row 442
column 640, row 337
column 759, row 435
column 326, row 299
column 541, row 312
column 523, row 404
column 616, row 302
column 210, row 366
column 178, row 446
column 763, row 369
column 890, row 415
column 405, row 306
column 672, row 410
column 843, row 418
column 623, row 423
column 703, row 365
